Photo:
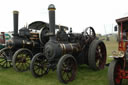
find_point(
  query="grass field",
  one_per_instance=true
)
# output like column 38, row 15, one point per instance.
column 85, row 76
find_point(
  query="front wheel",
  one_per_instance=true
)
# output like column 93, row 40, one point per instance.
column 21, row 59
column 114, row 72
column 39, row 65
column 66, row 68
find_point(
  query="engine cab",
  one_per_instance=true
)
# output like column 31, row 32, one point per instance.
column 122, row 33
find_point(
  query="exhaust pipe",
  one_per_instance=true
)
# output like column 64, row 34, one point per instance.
column 15, row 22
column 52, row 9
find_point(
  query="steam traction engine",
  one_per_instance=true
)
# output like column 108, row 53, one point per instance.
column 22, row 46
column 118, row 68
column 65, row 50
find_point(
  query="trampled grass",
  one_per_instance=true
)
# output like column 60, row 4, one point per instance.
column 85, row 76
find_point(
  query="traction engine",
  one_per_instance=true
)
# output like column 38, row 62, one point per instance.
column 64, row 51
column 20, row 49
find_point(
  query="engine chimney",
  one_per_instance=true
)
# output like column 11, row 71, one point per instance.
column 52, row 9
column 15, row 22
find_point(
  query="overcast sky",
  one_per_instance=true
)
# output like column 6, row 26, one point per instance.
column 78, row 14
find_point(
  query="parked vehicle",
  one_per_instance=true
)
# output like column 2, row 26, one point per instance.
column 118, row 68
column 64, row 51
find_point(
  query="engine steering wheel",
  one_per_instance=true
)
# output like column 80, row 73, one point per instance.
column 89, row 32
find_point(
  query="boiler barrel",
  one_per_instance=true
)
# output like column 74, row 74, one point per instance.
column 70, row 48
column 18, row 43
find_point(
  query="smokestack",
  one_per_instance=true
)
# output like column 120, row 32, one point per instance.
column 15, row 22
column 52, row 9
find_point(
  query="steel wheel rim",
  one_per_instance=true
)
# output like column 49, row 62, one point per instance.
column 68, row 70
column 40, row 66
column 100, row 56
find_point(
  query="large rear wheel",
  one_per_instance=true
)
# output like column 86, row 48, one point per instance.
column 66, row 68
column 97, row 55
column 5, row 57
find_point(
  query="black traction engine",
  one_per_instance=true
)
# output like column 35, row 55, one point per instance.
column 22, row 46
column 64, row 51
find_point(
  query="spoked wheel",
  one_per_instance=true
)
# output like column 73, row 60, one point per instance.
column 39, row 65
column 97, row 55
column 21, row 59
column 114, row 73
column 5, row 57
column 66, row 68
